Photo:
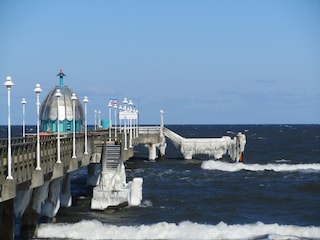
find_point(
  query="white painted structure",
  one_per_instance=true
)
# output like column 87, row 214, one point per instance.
column 216, row 147
column 113, row 189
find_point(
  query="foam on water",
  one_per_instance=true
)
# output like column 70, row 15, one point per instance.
column 281, row 167
column 184, row 230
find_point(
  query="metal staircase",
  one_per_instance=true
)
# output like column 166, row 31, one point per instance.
column 113, row 157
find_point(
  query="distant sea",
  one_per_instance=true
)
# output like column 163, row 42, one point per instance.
column 274, row 194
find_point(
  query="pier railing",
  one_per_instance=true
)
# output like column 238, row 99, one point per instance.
column 24, row 159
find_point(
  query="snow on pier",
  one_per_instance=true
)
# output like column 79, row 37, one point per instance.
column 216, row 147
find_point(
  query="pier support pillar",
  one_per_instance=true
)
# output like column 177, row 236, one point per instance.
column 7, row 220
column 51, row 205
column 28, row 222
column 85, row 160
column 37, row 178
column 152, row 151
column 73, row 164
column 94, row 172
column 162, row 148
column 187, row 154
column 57, row 171
column 65, row 196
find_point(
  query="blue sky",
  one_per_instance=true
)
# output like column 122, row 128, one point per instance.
column 202, row 62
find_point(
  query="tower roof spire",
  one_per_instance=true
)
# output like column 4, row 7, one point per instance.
column 61, row 75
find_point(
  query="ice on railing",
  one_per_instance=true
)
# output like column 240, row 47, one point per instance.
column 215, row 147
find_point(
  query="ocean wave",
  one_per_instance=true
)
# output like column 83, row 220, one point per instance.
column 278, row 167
column 185, row 230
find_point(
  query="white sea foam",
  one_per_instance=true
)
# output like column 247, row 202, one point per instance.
column 185, row 230
column 281, row 167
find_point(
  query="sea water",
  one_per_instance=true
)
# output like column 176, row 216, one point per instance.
column 274, row 194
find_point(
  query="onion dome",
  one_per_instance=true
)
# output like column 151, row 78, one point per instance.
column 49, row 110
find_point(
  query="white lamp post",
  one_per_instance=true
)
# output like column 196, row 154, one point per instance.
column 110, row 123
column 99, row 119
column 85, row 101
column 119, row 113
column 115, row 121
column 130, row 123
column 23, row 102
column 95, row 119
column 74, row 98
column 137, row 116
column 38, row 90
column 8, row 83
column 58, row 95
column 125, row 102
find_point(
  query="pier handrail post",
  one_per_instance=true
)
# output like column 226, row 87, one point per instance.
column 85, row 101
column 74, row 98
column 8, row 83
column 38, row 90
column 58, row 95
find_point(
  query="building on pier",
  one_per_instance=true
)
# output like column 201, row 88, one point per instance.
column 49, row 110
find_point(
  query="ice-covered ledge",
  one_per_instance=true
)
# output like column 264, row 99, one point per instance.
column 113, row 190
column 216, row 147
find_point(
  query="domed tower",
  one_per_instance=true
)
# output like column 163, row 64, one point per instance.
column 49, row 110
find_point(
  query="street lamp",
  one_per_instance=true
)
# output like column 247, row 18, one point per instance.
column 99, row 119
column 95, row 119
column 110, row 123
column 74, row 98
column 38, row 90
column 137, row 122
column 23, row 102
column 130, row 123
column 8, row 83
column 85, row 101
column 115, row 121
column 125, row 102
column 58, row 95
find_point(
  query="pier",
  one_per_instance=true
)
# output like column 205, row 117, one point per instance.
column 34, row 192
column 35, row 168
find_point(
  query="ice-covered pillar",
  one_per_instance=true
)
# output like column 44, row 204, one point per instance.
column 240, row 145
column 152, row 151
column 136, row 192
column 94, row 174
column 187, row 149
column 161, row 122
column 51, row 205
column 65, row 195
column 163, row 145
column 162, row 148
